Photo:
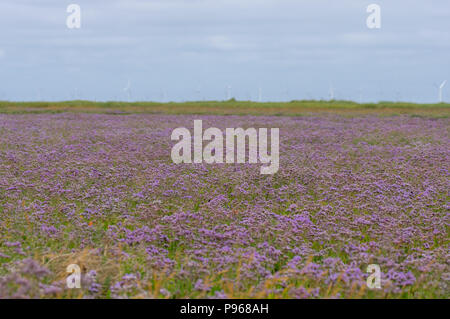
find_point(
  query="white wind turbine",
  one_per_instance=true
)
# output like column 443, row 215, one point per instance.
column 127, row 90
column 163, row 95
column 229, row 92
column 198, row 93
column 440, row 90
column 360, row 95
column 76, row 94
column 331, row 92
column 286, row 93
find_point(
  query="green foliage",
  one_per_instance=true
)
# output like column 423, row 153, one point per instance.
column 230, row 107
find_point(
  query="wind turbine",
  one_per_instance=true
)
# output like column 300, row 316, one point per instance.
column 76, row 94
column 286, row 93
column 163, row 95
column 127, row 90
column 229, row 92
column 331, row 92
column 380, row 94
column 198, row 93
column 398, row 96
column 440, row 87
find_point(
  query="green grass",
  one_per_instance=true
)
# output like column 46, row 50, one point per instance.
column 231, row 107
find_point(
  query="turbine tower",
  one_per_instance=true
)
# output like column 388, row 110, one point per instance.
column 331, row 92
column 163, row 95
column 286, row 92
column 198, row 93
column 397, row 96
column 127, row 90
column 228, row 92
column 440, row 90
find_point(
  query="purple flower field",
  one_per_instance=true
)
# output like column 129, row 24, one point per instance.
column 101, row 191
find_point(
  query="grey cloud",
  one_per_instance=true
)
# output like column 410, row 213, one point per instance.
column 177, row 45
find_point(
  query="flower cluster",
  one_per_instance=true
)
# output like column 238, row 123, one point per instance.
column 350, row 191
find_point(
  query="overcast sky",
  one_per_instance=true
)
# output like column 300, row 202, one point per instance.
column 193, row 49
